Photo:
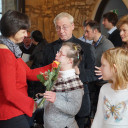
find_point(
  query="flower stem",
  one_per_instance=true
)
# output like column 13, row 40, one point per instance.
column 41, row 102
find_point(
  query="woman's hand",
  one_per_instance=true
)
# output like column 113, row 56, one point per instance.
column 50, row 96
column 98, row 72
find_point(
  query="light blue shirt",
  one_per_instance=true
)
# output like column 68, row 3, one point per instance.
column 112, row 30
column 86, row 40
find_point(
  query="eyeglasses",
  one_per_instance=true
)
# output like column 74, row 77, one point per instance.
column 65, row 28
column 60, row 53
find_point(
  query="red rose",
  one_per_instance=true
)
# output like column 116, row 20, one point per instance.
column 55, row 64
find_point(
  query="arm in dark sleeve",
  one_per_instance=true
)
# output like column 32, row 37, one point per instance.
column 42, row 60
column 87, row 66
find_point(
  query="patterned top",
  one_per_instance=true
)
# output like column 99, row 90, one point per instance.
column 68, row 84
column 112, row 110
column 69, row 94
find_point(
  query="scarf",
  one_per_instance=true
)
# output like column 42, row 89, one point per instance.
column 12, row 46
column 67, row 84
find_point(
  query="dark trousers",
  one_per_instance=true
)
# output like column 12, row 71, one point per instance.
column 85, row 108
column 16, row 122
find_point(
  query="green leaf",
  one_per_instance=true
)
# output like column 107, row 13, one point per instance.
column 51, row 78
column 41, row 78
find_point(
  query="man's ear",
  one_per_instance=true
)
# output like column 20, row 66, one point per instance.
column 95, row 30
column 73, row 26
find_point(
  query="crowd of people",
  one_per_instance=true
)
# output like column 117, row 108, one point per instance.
column 92, row 86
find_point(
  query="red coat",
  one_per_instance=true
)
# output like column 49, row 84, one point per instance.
column 14, row 100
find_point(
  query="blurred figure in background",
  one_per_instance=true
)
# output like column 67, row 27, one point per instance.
column 36, row 61
column 35, row 87
column 27, row 46
column 101, row 44
column 40, row 42
column 83, row 38
column 109, row 21
column 123, row 27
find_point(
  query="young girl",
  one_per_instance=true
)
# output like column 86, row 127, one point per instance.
column 64, row 101
column 112, row 107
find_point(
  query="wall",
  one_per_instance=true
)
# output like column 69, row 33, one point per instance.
column 8, row 5
column 121, row 8
column 42, row 13
column 13, row 5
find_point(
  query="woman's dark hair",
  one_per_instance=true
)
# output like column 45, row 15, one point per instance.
column 13, row 21
column 37, row 36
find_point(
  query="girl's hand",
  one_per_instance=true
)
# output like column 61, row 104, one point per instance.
column 50, row 96
column 98, row 72
column 77, row 70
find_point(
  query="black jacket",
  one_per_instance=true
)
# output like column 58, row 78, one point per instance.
column 115, row 38
column 88, row 60
column 86, row 67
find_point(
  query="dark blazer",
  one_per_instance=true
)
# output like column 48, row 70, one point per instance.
column 86, row 67
column 115, row 38
column 27, row 51
column 36, row 57
column 88, row 60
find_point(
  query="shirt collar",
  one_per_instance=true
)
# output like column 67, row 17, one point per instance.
column 112, row 30
column 95, row 44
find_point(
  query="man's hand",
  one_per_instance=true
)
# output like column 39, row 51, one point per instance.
column 98, row 72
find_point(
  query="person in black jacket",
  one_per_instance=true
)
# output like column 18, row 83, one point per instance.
column 35, row 87
column 27, row 46
column 64, row 24
column 109, row 21
column 40, row 42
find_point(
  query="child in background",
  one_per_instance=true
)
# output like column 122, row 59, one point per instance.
column 112, row 106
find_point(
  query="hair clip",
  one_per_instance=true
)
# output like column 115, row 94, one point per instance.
column 75, row 48
column 78, row 56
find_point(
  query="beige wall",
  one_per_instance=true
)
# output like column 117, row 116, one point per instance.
column 42, row 13
column 125, row 2
column 8, row 5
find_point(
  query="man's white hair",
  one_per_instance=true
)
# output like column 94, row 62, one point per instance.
column 62, row 15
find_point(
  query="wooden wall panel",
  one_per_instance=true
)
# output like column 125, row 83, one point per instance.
column 42, row 13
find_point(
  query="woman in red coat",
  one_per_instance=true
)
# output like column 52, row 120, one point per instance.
column 15, row 104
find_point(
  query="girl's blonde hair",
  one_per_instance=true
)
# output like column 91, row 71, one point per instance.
column 75, row 52
column 119, row 57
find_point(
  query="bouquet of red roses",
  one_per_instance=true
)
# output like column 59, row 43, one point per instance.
column 48, row 78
